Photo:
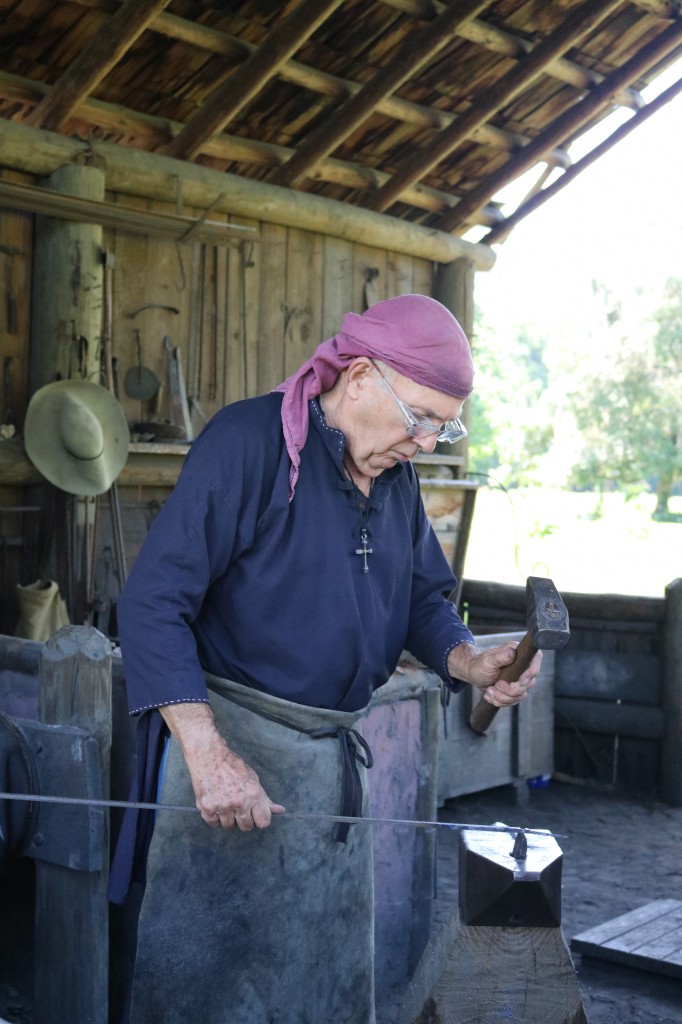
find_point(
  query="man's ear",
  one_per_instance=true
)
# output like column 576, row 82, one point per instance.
column 358, row 375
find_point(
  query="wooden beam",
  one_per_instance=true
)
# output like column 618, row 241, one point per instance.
column 47, row 202
column 155, row 131
column 95, row 61
column 501, row 230
column 243, row 84
column 565, row 125
column 154, row 176
column 483, row 33
column 324, row 84
column 414, row 53
column 498, row 40
column 610, row 718
column 72, row 929
column 671, row 764
column 581, row 21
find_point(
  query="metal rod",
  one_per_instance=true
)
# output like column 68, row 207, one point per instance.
column 299, row 815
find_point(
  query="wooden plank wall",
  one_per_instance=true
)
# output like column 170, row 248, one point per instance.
column 248, row 313
column 244, row 315
column 18, row 556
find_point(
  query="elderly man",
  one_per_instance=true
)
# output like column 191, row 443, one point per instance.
column 276, row 591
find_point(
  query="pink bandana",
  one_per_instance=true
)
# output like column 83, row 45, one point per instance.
column 413, row 334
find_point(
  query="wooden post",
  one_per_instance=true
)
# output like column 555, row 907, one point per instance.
column 454, row 287
column 504, row 957
column 671, row 765
column 72, row 921
column 67, row 286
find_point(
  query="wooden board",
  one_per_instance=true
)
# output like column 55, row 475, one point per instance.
column 649, row 938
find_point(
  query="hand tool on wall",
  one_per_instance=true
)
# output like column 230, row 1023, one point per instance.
column 8, row 418
column 10, row 251
column 140, row 382
column 547, row 631
column 176, row 385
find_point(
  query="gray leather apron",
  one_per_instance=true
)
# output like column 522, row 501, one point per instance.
column 273, row 926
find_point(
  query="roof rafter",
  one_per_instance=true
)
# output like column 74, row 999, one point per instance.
column 579, row 23
column 566, row 125
column 155, row 132
column 488, row 36
column 243, row 84
column 529, row 205
column 94, row 63
column 499, row 40
column 667, row 10
column 414, row 53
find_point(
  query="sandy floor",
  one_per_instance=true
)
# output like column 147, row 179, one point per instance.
column 618, row 855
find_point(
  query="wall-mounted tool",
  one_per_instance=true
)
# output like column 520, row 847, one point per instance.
column 176, row 386
column 10, row 251
column 140, row 382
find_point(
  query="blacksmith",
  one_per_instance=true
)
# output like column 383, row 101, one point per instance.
column 288, row 571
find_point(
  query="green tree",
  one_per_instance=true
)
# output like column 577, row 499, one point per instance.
column 512, row 424
column 630, row 418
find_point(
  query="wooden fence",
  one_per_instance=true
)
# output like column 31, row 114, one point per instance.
column 618, row 683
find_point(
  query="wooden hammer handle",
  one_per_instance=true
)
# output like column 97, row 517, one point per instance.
column 483, row 714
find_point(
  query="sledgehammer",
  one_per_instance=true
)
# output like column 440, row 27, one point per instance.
column 547, row 631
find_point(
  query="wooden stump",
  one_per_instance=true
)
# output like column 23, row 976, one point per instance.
column 487, row 973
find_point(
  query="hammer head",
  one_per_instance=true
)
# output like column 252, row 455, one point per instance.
column 547, row 615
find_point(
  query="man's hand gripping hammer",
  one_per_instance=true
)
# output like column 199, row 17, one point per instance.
column 547, row 631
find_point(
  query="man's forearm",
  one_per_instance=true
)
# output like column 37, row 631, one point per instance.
column 461, row 662
column 192, row 725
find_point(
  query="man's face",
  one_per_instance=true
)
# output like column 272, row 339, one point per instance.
column 376, row 437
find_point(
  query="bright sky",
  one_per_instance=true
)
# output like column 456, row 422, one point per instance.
column 619, row 221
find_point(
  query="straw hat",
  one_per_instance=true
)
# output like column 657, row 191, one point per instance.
column 76, row 435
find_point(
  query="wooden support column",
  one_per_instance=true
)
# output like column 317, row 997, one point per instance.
column 67, row 286
column 454, row 287
column 72, row 920
column 671, row 765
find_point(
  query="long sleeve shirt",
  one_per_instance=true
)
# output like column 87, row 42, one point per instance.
column 236, row 580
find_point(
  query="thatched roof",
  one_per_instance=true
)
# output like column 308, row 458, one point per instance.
column 417, row 108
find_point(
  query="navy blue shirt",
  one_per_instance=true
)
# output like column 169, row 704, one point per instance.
column 236, row 580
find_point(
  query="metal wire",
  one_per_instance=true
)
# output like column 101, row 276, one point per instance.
column 298, row 815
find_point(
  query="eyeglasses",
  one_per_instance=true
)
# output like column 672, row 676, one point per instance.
column 419, row 426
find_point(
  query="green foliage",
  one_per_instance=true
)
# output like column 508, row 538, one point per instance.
column 510, row 404
column 630, row 416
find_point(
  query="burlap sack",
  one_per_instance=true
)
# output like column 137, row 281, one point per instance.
column 42, row 610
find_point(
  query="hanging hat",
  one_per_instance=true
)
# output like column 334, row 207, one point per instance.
column 76, row 435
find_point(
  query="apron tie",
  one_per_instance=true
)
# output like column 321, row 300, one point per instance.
column 351, row 784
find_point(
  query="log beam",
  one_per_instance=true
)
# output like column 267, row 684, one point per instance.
column 484, row 34
column 415, row 52
column 579, row 23
column 565, row 125
column 501, row 230
column 155, row 132
column 153, row 176
column 95, row 61
column 67, row 287
column 244, row 83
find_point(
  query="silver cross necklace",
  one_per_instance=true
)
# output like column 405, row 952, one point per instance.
column 362, row 503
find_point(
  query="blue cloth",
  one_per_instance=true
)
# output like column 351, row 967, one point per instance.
column 236, row 580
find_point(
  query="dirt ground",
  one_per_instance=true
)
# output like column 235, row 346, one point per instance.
column 619, row 854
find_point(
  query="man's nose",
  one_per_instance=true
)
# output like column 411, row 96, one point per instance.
column 428, row 442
